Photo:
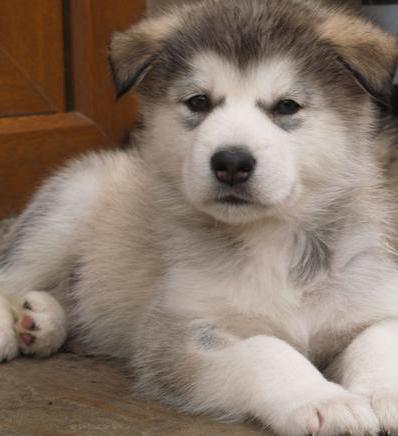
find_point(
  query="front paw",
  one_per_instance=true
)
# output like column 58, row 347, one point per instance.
column 332, row 414
column 385, row 405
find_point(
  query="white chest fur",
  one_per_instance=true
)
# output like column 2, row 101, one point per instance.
column 247, row 291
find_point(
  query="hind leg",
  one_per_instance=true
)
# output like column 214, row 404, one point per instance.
column 33, row 325
column 37, row 254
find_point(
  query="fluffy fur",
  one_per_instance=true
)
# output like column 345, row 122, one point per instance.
column 231, row 308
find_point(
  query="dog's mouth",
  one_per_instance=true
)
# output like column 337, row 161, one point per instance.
column 233, row 200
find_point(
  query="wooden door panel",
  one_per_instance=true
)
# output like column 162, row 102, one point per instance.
column 39, row 41
column 33, row 147
column 18, row 93
column 31, row 57
column 89, row 45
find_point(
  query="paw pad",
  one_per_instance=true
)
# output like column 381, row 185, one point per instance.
column 27, row 323
column 27, row 339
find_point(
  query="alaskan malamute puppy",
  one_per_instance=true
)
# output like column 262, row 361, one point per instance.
column 238, row 255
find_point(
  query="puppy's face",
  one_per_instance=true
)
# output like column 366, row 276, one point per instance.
column 244, row 143
column 253, row 108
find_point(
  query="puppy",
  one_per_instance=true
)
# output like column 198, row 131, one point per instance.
column 238, row 255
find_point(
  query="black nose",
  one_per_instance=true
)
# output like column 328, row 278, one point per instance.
column 233, row 166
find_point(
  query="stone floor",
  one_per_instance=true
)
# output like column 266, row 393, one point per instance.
column 69, row 395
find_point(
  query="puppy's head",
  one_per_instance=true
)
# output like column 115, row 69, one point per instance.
column 252, row 107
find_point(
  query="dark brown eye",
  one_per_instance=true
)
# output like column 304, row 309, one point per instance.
column 198, row 103
column 286, row 107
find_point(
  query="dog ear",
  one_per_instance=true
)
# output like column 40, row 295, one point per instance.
column 133, row 52
column 368, row 52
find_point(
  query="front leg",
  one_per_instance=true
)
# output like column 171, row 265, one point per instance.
column 369, row 366
column 261, row 377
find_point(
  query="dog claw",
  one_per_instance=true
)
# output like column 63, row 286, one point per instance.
column 26, row 306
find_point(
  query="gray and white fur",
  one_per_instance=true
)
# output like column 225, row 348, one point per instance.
column 238, row 255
